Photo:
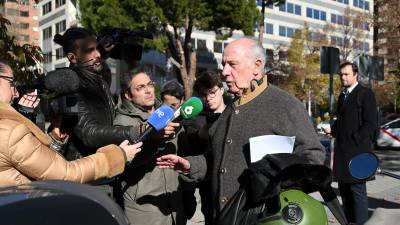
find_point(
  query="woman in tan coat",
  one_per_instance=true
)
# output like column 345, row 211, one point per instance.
column 25, row 154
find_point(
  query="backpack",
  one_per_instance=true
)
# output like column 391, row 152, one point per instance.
column 359, row 107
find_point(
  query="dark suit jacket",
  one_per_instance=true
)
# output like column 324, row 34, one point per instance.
column 353, row 134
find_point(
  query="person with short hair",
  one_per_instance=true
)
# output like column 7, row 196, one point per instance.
column 172, row 94
column 258, row 109
column 354, row 131
column 150, row 195
column 25, row 153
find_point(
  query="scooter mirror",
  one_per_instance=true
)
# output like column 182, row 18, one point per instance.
column 363, row 165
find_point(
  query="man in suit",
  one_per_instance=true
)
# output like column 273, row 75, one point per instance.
column 354, row 131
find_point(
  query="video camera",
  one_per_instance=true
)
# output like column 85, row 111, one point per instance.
column 127, row 42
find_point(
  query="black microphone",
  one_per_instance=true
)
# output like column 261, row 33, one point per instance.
column 62, row 81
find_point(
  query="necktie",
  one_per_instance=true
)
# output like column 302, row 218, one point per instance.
column 346, row 94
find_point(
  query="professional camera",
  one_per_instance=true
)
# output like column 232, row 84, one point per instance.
column 126, row 42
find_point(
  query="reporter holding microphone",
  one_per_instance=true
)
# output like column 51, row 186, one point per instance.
column 149, row 195
column 25, row 154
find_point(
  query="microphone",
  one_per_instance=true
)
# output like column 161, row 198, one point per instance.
column 191, row 108
column 157, row 121
column 62, row 81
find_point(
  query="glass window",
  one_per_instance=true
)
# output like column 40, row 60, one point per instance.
column 290, row 32
column 323, row 15
column 282, row 31
column 269, row 28
column 59, row 53
column 47, row 33
column 60, row 3
column 290, row 8
column 316, row 14
column 309, row 12
column 282, row 7
column 217, row 46
column 201, row 44
column 333, row 18
column 355, row 3
column 46, row 8
column 366, row 6
column 61, row 27
column 270, row 5
column 297, row 10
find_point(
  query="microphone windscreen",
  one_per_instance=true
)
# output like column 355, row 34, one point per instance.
column 161, row 117
column 191, row 108
column 62, row 81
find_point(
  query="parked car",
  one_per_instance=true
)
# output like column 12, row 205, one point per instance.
column 389, row 135
column 58, row 202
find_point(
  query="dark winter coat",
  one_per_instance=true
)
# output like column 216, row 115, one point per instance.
column 353, row 134
column 92, row 126
column 265, row 111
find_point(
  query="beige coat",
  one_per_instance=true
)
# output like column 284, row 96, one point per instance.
column 25, row 155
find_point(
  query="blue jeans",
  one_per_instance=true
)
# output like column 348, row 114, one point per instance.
column 355, row 202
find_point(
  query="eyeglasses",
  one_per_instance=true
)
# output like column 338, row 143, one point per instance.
column 143, row 87
column 211, row 93
column 11, row 80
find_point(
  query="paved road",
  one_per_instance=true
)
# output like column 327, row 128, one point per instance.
column 383, row 192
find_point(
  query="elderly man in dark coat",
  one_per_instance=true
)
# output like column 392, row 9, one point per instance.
column 258, row 109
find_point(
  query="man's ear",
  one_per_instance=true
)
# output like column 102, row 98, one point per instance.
column 257, row 67
column 71, row 57
column 128, row 95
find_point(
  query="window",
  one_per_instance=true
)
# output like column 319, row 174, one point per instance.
column 47, row 33
column 201, row 44
column 21, row 25
column 297, row 10
column 23, row 37
column 268, row 4
column 46, row 8
column 337, row 19
column 337, row 41
column 60, row 3
column 286, row 31
column 217, row 46
column 290, row 8
column 47, row 57
column 269, row 28
column 316, row 14
column 59, row 53
column 24, row 13
column 343, row 1
column 362, row 4
column 61, row 27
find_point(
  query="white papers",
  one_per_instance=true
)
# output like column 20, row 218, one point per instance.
column 270, row 144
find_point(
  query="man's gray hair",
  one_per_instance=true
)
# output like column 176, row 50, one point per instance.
column 257, row 51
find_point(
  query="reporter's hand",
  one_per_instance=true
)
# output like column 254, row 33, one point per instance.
column 170, row 130
column 328, row 131
column 171, row 161
column 29, row 100
column 130, row 150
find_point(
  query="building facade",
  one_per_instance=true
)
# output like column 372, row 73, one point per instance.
column 333, row 19
column 23, row 16
column 55, row 17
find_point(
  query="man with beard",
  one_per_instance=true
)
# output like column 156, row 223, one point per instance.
column 92, row 126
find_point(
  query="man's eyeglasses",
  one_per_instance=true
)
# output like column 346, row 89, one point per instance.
column 211, row 93
column 11, row 80
column 143, row 87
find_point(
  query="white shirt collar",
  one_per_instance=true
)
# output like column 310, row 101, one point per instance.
column 351, row 88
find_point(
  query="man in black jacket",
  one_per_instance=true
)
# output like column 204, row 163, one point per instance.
column 354, row 131
column 92, row 126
